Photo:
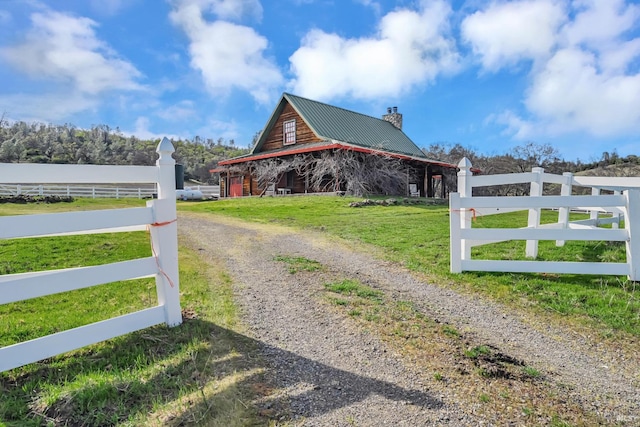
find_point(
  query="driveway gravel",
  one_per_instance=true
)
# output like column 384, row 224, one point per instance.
column 328, row 370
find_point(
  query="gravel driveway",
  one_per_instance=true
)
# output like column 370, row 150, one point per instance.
column 331, row 371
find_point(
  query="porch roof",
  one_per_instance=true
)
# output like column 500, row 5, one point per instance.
column 328, row 145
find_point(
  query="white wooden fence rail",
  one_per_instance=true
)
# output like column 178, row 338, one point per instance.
column 94, row 192
column 159, row 216
column 623, row 203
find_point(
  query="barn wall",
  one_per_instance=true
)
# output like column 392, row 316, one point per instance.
column 223, row 186
column 304, row 134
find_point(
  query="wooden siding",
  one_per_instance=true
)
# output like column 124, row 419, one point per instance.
column 304, row 134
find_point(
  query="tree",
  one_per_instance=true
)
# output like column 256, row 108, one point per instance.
column 533, row 155
column 354, row 173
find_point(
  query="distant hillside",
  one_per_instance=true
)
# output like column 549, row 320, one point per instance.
column 46, row 143
column 624, row 169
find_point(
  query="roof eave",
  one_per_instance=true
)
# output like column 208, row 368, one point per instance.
column 332, row 144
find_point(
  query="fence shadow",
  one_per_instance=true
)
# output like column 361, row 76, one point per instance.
column 172, row 374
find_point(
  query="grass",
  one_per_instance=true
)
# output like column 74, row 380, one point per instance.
column 353, row 287
column 457, row 361
column 297, row 264
column 418, row 237
column 475, row 352
column 203, row 372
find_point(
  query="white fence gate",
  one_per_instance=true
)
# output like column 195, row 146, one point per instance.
column 159, row 216
column 623, row 203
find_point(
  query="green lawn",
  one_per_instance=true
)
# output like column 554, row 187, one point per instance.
column 417, row 236
column 200, row 373
column 204, row 372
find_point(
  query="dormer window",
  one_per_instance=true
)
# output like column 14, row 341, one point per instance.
column 289, row 132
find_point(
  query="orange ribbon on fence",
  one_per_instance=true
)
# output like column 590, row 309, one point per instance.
column 472, row 210
column 162, row 224
column 153, row 250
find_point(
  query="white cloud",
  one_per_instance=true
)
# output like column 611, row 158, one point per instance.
column 235, row 9
column 598, row 22
column 47, row 107
column 618, row 59
column 571, row 94
column 109, row 7
column 514, row 125
column 5, row 17
column 410, row 48
column 374, row 5
column 227, row 55
column 506, row 33
column 181, row 111
column 584, row 78
column 65, row 48
column 142, row 131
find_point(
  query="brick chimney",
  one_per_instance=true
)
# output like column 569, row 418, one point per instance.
column 393, row 117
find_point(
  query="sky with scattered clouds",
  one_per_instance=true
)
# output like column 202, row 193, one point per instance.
column 490, row 75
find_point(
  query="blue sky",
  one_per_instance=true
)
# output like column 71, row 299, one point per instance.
column 489, row 75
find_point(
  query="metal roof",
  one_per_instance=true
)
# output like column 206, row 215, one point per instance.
column 340, row 125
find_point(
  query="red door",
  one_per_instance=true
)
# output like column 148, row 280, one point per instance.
column 235, row 189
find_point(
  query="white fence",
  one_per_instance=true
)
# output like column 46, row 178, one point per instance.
column 94, row 192
column 159, row 216
column 622, row 203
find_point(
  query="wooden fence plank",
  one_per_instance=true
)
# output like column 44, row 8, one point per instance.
column 502, row 179
column 26, row 352
column 601, row 268
column 627, row 204
column 502, row 234
column 33, row 173
column 68, row 222
column 159, row 214
column 18, row 287
column 609, row 182
column 527, row 202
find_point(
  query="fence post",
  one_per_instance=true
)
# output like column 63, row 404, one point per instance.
column 455, row 243
column 593, row 214
column 466, row 190
column 616, row 224
column 164, row 235
column 534, row 213
column 632, row 224
column 563, row 213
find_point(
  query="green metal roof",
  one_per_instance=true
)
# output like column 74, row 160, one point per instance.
column 340, row 125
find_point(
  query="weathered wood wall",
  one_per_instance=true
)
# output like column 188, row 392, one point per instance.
column 304, row 134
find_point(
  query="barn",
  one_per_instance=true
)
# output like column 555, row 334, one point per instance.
column 309, row 146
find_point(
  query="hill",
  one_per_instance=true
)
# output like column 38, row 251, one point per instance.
column 623, row 169
column 102, row 145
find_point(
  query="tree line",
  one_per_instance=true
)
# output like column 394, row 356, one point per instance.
column 49, row 143
column 525, row 157
column 102, row 145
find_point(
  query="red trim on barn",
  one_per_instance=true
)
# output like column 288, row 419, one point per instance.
column 327, row 147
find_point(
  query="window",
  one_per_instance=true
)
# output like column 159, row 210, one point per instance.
column 289, row 132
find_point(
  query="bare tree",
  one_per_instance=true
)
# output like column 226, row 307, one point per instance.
column 341, row 170
column 532, row 155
